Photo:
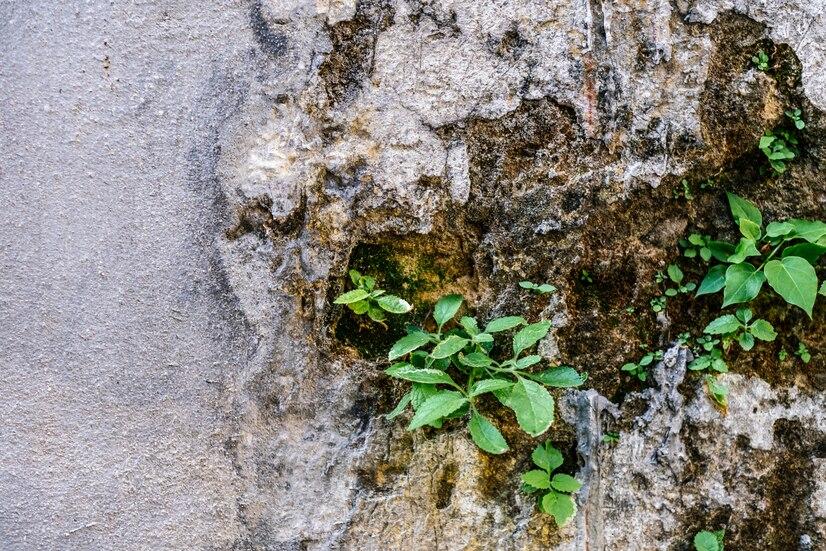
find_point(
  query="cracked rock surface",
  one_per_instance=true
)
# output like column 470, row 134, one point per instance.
column 187, row 184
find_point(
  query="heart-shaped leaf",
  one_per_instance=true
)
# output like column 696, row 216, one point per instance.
column 743, row 283
column 795, row 280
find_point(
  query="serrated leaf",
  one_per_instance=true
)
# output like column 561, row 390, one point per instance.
column 744, row 314
column 489, row 385
column 744, row 209
column 763, row 330
column 483, row 337
column 560, row 377
column 416, row 375
column 394, row 304
column 565, row 483
column 746, row 341
column 530, row 335
column 375, row 313
column 533, row 406
column 408, row 344
column 446, row 307
column 476, row 359
column 811, row 252
column 527, row 361
column 451, row 345
column 795, row 280
column 503, row 324
column 486, row 435
column 744, row 249
column 675, row 273
column 714, row 281
column 706, row 541
column 355, row 276
column 400, row 407
column 722, row 325
column 537, row 479
column 437, row 406
column 560, row 506
column 352, row 296
column 547, row 457
column 420, row 394
column 810, row 230
column 743, row 283
column 777, row 229
column 359, row 307
column 470, row 325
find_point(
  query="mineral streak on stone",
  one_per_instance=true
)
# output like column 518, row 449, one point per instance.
column 185, row 186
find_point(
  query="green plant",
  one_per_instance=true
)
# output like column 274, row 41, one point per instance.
column 797, row 243
column 640, row 369
column 610, row 438
column 737, row 328
column 684, row 192
column 717, row 391
column 761, row 61
column 709, row 541
column 658, row 304
column 464, row 352
column 676, row 275
column 538, row 289
column 782, row 355
column 803, row 353
column 712, row 360
column 366, row 299
column 585, row 277
column 557, row 501
column 705, row 247
column 778, row 147
column 684, row 338
column 630, row 310
column 794, row 114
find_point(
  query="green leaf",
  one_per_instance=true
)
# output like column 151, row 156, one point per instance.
column 359, row 307
column 763, row 330
column 745, row 249
column 400, row 407
column 777, row 229
column 483, row 337
column 533, row 406
column 749, row 229
column 565, row 483
column 355, row 276
column 706, row 541
column 476, row 359
column 437, row 406
column 470, row 325
column 489, row 385
column 744, row 314
column 810, row 230
column 675, row 273
column 810, row 251
column 546, row 288
column 527, row 285
column 410, row 373
column 560, row 377
column 527, row 361
column 375, row 313
column 714, row 280
column 722, row 325
column 547, row 457
column 744, row 209
column 421, row 393
column 486, row 436
column 394, row 304
column 352, row 296
column 560, row 506
column 503, row 324
column 448, row 347
column 537, row 479
column 822, row 290
column 746, row 341
column 721, row 250
column 530, row 335
column 408, row 344
column 795, row 280
column 446, row 307
column 743, row 283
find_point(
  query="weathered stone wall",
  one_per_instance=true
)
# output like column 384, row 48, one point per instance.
column 186, row 185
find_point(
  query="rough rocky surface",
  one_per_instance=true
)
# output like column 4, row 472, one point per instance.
column 186, row 184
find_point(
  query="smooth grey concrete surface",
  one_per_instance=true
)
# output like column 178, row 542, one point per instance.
column 113, row 316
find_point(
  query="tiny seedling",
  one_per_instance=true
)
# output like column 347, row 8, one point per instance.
column 676, row 275
column 684, row 338
column 658, row 304
column 709, row 541
column 717, row 391
column 704, row 247
column 585, row 277
column 610, row 438
column 685, row 192
column 435, row 361
column 554, row 491
column 761, row 61
column 782, row 355
column 711, row 360
column 366, row 299
column 778, row 147
column 542, row 289
column 803, row 353
column 630, row 310
column 640, row 369
column 737, row 328
column 794, row 114
column 707, row 184
column 783, row 254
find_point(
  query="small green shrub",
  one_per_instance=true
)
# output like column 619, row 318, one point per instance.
column 786, row 251
column 542, row 289
column 432, row 360
column 658, row 304
column 778, row 146
column 585, row 276
column 685, row 192
column 366, row 299
column 795, row 115
column 640, row 369
column 737, row 328
column 554, row 491
column 610, row 438
column 803, row 353
column 761, row 61
column 709, row 541
column 676, row 275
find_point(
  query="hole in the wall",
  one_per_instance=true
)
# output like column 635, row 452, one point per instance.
column 444, row 485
